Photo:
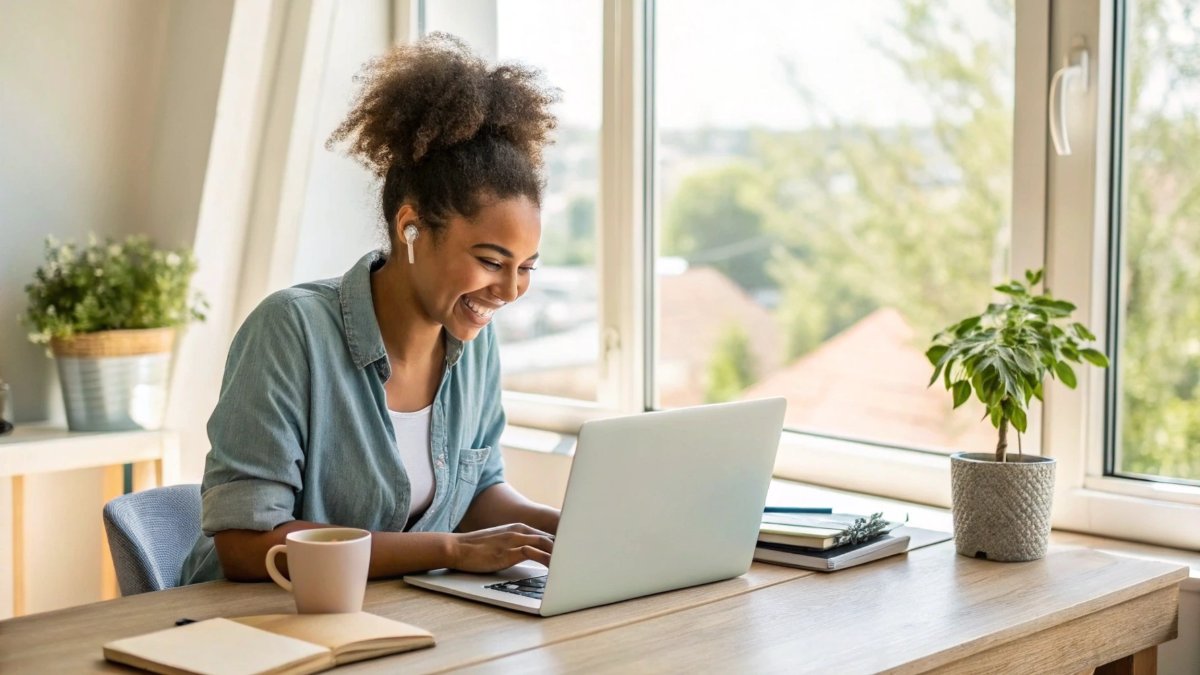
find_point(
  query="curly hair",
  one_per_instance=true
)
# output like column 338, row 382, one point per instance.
column 444, row 130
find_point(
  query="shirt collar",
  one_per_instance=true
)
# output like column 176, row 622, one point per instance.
column 358, row 316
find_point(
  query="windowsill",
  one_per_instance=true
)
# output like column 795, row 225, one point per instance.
column 787, row 492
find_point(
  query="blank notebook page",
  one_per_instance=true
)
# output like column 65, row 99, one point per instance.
column 216, row 646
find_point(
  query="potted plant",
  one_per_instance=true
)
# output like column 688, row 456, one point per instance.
column 109, row 312
column 1001, row 502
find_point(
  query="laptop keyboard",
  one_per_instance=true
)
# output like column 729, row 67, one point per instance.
column 532, row 587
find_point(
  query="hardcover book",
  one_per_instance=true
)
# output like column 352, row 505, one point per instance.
column 831, row 559
column 899, row 540
column 820, row 531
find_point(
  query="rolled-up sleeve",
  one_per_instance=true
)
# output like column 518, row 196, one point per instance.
column 493, row 418
column 258, row 429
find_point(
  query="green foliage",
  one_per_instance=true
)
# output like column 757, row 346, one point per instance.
column 110, row 286
column 1160, row 348
column 1004, row 354
column 731, row 369
column 715, row 220
column 918, row 218
column 876, row 217
column 574, row 245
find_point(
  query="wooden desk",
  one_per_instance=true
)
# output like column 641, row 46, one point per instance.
column 930, row 610
column 43, row 448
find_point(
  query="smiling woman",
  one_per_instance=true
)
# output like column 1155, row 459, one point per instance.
column 373, row 400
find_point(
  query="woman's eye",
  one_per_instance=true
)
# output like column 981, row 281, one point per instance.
column 527, row 270
column 490, row 264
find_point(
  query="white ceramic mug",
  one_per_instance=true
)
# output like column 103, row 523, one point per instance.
column 328, row 567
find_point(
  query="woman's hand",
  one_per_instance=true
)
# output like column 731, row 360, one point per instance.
column 497, row 548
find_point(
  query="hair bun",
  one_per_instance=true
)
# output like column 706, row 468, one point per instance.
column 435, row 94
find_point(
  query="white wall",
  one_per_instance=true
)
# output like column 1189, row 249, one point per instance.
column 102, row 128
column 472, row 20
column 80, row 84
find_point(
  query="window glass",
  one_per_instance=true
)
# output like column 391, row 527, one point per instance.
column 549, row 338
column 833, row 186
column 1157, row 290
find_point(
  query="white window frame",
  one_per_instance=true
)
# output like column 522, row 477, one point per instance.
column 1060, row 207
column 621, row 258
column 1079, row 212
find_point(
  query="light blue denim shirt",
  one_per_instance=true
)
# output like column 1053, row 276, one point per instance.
column 302, row 432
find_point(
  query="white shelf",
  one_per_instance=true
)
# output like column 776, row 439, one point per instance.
column 43, row 447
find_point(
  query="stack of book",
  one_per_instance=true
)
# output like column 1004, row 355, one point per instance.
column 826, row 541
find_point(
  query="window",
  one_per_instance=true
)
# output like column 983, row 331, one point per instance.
column 834, row 186
column 792, row 197
column 549, row 340
column 1155, row 384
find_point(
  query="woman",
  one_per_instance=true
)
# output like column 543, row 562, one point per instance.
column 373, row 400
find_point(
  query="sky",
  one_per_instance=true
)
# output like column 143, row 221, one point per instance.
column 722, row 64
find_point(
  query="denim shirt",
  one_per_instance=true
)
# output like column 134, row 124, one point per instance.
column 302, row 432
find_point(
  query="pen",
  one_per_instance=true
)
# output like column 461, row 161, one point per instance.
column 795, row 509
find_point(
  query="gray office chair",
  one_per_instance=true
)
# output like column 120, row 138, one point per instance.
column 150, row 533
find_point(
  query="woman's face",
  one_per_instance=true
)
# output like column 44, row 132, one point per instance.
column 477, row 266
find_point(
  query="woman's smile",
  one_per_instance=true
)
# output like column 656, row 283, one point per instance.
column 479, row 312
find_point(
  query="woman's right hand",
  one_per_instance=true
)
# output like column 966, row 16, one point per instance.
column 497, row 548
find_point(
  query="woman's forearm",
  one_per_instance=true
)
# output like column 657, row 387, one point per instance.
column 243, row 552
column 501, row 504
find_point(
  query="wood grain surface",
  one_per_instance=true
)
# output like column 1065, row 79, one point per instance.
column 467, row 632
column 1074, row 610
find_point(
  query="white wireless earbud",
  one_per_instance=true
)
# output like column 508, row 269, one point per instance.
column 410, row 233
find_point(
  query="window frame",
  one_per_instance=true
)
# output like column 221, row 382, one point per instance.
column 1081, row 212
column 1061, row 206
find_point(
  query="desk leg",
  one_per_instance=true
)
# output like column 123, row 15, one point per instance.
column 1144, row 662
column 147, row 475
column 18, row 533
column 113, row 486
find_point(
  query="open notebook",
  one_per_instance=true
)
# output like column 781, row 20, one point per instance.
column 271, row 643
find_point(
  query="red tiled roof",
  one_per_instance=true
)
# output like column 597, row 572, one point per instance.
column 869, row 382
column 695, row 309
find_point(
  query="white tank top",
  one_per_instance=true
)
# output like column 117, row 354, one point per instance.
column 412, row 442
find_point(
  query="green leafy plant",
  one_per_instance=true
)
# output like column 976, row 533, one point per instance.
column 107, row 285
column 1004, row 354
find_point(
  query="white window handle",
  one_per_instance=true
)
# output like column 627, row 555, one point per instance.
column 1073, row 76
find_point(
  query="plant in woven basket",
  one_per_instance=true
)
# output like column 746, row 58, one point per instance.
column 1004, row 354
column 109, row 285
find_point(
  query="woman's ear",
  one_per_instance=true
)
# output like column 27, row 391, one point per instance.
column 405, row 228
column 410, row 235
column 404, row 215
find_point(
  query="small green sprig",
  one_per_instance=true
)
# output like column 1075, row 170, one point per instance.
column 863, row 529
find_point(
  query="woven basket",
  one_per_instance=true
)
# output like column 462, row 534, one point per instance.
column 115, row 343
column 1001, row 509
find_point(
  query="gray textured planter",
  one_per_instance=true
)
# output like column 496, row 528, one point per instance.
column 114, row 393
column 1001, row 509
column 115, row 380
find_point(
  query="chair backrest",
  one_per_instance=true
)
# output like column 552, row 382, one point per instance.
column 150, row 533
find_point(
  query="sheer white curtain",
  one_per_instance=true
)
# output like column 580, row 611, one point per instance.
column 276, row 208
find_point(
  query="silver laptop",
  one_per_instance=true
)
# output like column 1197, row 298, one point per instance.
column 655, row 502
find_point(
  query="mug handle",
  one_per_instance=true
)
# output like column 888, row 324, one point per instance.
column 274, row 571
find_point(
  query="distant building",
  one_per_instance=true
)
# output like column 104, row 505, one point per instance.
column 696, row 307
column 868, row 382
